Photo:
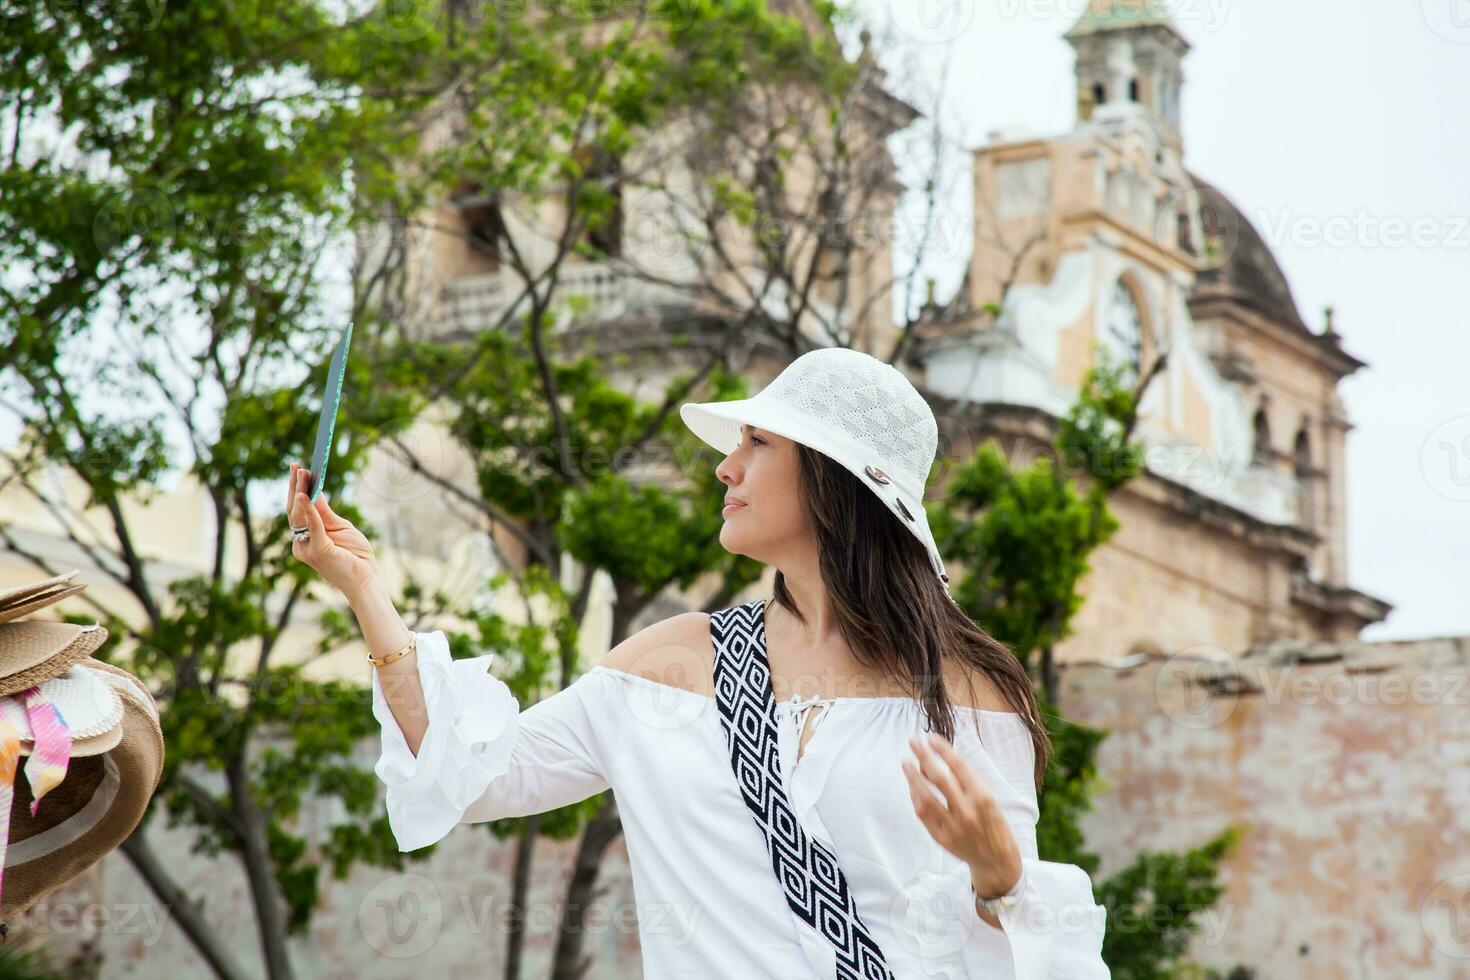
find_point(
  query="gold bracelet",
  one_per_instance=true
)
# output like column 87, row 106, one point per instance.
column 396, row 655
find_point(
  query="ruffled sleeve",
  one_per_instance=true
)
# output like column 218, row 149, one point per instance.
column 1056, row 929
column 482, row 758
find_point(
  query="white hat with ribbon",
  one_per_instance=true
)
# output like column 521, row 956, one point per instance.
column 860, row 411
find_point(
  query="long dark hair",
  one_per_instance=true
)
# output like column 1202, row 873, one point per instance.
column 892, row 609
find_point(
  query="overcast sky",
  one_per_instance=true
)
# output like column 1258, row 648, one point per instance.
column 1343, row 133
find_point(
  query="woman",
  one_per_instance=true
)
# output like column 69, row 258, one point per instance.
column 899, row 842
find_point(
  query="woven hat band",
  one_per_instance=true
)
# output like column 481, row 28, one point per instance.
column 32, row 652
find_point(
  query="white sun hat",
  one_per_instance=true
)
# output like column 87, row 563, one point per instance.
column 862, row 412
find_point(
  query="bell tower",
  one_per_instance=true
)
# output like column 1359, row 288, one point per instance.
column 1129, row 59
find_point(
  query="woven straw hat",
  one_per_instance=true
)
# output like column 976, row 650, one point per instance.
column 81, row 749
column 93, row 810
column 862, row 412
column 36, row 651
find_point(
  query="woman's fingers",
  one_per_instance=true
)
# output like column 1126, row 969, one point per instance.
column 933, row 814
column 306, row 515
column 298, row 486
column 330, row 518
column 969, row 783
column 291, row 487
column 937, row 772
column 923, row 797
column 313, row 518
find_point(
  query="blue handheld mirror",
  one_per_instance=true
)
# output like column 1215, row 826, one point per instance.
column 327, row 422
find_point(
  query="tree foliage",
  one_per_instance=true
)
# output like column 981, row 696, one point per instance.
column 1025, row 534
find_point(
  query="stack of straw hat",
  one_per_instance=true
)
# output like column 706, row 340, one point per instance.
column 81, row 748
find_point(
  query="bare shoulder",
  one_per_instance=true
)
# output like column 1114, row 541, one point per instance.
column 973, row 687
column 676, row 651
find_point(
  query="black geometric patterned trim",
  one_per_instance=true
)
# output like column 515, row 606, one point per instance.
column 816, row 889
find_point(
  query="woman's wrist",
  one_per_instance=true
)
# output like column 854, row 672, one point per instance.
column 364, row 591
column 383, row 629
column 988, row 884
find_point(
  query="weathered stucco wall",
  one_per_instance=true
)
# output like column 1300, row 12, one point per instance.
column 1350, row 767
column 446, row 918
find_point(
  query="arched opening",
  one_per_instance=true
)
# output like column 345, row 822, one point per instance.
column 483, row 220
column 604, row 170
column 1132, row 90
column 1306, row 479
column 1261, row 451
column 1099, row 93
column 1122, row 330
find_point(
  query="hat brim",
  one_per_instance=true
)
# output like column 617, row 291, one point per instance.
column 35, row 595
column 718, row 424
column 50, row 598
column 33, row 651
column 83, row 747
column 86, row 701
column 92, row 811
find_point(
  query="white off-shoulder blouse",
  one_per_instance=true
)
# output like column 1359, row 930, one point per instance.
column 709, row 905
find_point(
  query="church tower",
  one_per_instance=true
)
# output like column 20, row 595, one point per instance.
column 1101, row 242
column 1129, row 58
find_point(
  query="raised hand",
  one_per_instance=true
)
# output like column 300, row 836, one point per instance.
column 965, row 819
column 336, row 550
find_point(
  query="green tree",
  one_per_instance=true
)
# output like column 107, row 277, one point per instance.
column 175, row 179
column 570, row 466
column 179, row 186
column 1024, row 535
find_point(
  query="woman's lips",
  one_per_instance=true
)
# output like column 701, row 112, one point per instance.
column 730, row 509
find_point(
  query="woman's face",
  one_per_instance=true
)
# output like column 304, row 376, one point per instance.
column 763, row 515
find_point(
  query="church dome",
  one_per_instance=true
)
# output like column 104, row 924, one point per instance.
column 1248, row 273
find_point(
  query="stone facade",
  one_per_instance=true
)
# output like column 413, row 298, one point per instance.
column 1344, row 763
